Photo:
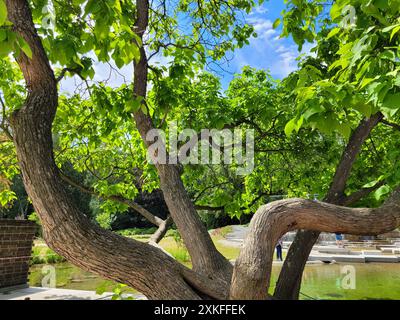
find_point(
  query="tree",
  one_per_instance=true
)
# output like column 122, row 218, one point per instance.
column 356, row 66
column 118, row 28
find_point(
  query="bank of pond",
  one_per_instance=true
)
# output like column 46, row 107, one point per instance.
column 320, row 281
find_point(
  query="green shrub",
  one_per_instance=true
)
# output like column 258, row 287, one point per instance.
column 42, row 255
column 37, row 258
column 176, row 236
column 137, row 231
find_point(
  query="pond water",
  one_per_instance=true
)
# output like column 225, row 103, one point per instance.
column 336, row 281
column 322, row 281
column 67, row 276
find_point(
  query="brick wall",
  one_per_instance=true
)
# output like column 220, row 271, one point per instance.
column 16, row 238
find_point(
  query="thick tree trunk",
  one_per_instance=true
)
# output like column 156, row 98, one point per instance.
column 137, row 264
column 65, row 229
column 252, row 269
column 205, row 257
column 289, row 281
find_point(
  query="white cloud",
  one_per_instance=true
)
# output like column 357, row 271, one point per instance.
column 269, row 51
column 281, row 49
column 263, row 28
column 259, row 10
column 286, row 62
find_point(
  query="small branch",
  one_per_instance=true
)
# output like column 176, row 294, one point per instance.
column 391, row 124
column 358, row 195
column 133, row 205
column 3, row 120
column 206, row 189
column 161, row 231
column 65, row 70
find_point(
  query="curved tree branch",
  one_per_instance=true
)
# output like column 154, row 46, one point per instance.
column 289, row 281
column 349, row 156
column 65, row 229
column 252, row 269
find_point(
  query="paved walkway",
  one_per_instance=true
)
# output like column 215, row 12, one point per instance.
column 36, row 293
column 235, row 237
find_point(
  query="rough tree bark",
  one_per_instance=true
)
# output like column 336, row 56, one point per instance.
column 289, row 281
column 205, row 257
column 137, row 264
column 252, row 271
column 65, row 229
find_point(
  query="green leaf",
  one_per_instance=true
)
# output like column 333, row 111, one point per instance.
column 3, row 12
column 366, row 81
column 336, row 10
column 133, row 105
column 5, row 48
column 395, row 30
column 344, row 129
column 7, row 197
column 318, row 108
column 101, row 289
column 3, row 35
column 388, row 55
column 364, row 108
column 91, row 7
column 332, row 33
column 391, row 104
column 372, row 183
column 276, row 23
column 292, row 125
column 25, row 47
column 392, row 101
column 382, row 191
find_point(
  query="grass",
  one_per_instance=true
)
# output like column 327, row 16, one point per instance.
column 221, row 232
column 229, row 252
column 137, row 232
column 176, row 249
column 43, row 254
column 179, row 251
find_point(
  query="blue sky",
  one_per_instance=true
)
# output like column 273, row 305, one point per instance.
column 267, row 51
